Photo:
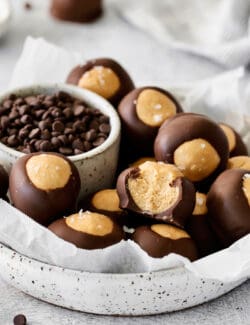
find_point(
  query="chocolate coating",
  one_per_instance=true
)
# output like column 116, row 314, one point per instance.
column 85, row 240
column 81, row 11
column 157, row 246
column 175, row 215
column 4, row 182
column 138, row 135
column 40, row 205
column 229, row 211
column 201, row 232
column 240, row 148
column 126, row 84
column 186, row 127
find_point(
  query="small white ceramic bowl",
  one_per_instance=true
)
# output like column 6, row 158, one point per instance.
column 5, row 14
column 96, row 167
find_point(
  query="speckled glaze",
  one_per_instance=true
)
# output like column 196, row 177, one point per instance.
column 96, row 167
column 109, row 294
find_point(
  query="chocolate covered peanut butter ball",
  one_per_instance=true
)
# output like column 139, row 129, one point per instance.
column 103, row 76
column 199, row 228
column 236, row 145
column 239, row 162
column 159, row 240
column 142, row 112
column 228, row 204
column 44, row 186
column 157, row 190
column 88, row 230
column 196, row 145
column 81, row 11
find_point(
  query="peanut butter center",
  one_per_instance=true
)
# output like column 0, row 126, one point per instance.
column 200, row 204
column 241, row 162
column 168, row 231
column 154, row 107
column 48, row 172
column 197, row 159
column 246, row 187
column 230, row 136
column 90, row 223
column 101, row 80
column 106, row 200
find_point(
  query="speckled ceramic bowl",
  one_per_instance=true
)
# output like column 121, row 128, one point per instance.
column 97, row 166
column 109, row 294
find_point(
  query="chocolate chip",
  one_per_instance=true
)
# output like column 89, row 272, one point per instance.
column 58, row 126
column 51, row 123
column 65, row 151
column 98, row 141
column 90, row 135
column 20, row 320
column 26, row 119
column 45, row 146
column 105, row 128
column 34, row 133
column 78, row 110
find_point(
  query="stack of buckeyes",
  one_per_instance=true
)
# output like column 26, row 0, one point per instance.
column 183, row 183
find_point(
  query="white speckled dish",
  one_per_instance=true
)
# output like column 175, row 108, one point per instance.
column 92, row 165
column 109, row 294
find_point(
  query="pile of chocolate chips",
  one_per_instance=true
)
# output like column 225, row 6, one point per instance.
column 58, row 123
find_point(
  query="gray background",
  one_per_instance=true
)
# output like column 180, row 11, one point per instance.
column 149, row 62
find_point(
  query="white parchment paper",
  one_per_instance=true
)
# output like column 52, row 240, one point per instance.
column 225, row 98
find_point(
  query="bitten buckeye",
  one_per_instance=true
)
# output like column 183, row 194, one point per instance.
column 44, row 186
column 158, row 191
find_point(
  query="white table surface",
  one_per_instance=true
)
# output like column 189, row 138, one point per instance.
column 149, row 62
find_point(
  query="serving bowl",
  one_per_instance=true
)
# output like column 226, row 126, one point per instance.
column 110, row 294
column 96, row 167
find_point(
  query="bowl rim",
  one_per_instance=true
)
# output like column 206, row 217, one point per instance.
column 94, row 275
column 90, row 98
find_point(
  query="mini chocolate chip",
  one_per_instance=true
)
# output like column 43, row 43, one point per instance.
column 23, row 133
column 71, row 138
column 12, row 141
column 37, row 144
column 43, row 125
column 5, row 121
column 104, row 119
column 68, row 112
column 55, row 134
column 31, row 100
column 13, row 115
column 19, row 101
column 68, row 131
column 55, row 112
column 3, row 110
column 24, row 109
column 58, row 126
column 63, row 139
column 94, row 125
column 78, row 110
column 65, row 151
column 87, row 145
column 78, row 152
column 7, row 103
column 39, row 113
column 12, row 131
column 79, row 126
column 56, row 142
column 26, row 119
column 105, row 128
column 45, row 146
column 98, row 141
column 45, row 135
column 20, row 320
column 90, row 135
column 34, row 133
column 78, row 144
